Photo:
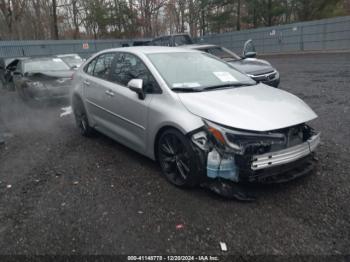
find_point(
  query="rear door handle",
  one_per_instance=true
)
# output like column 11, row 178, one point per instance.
column 109, row 93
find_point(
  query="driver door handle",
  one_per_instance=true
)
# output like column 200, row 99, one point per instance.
column 86, row 82
column 109, row 93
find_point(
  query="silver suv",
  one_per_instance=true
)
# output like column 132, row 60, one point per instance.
column 200, row 118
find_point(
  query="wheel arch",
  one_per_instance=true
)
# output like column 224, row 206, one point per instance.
column 158, row 135
column 76, row 96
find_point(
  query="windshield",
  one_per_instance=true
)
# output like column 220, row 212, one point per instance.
column 72, row 60
column 196, row 70
column 9, row 61
column 49, row 64
column 223, row 53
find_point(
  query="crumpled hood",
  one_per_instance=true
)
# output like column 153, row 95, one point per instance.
column 255, row 108
column 252, row 66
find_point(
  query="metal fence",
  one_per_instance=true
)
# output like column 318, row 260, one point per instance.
column 53, row 47
column 327, row 35
column 320, row 35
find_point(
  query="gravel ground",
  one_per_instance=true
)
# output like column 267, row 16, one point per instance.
column 61, row 193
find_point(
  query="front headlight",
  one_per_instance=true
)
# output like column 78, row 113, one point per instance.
column 238, row 141
column 218, row 134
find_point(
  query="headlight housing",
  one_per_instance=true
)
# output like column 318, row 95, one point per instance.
column 277, row 75
column 238, row 141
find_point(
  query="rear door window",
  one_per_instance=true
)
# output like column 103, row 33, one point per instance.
column 90, row 67
column 102, row 67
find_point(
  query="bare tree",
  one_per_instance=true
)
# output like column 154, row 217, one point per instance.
column 54, row 16
column 12, row 11
column 54, row 19
column 238, row 23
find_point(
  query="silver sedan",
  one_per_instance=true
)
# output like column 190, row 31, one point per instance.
column 200, row 118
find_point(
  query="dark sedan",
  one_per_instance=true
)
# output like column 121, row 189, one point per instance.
column 43, row 78
column 258, row 69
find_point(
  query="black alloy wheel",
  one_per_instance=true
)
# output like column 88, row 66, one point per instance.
column 177, row 159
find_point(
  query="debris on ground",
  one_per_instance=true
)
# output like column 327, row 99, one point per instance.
column 223, row 246
column 230, row 190
column 75, row 183
column 140, row 212
column 180, row 226
column 66, row 111
column 8, row 186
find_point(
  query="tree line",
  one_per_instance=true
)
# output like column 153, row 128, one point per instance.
column 101, row 19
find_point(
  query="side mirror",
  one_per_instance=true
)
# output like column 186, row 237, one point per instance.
column 249, row 49
column 250, row 55
column 136, row 85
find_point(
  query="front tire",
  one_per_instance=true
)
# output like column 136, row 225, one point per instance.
column 177, row 159
column 81, row 118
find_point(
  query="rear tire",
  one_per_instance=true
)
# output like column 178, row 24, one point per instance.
column 81, row 118
column 177, row 159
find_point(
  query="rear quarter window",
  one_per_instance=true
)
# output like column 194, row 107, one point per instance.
column 89, row 68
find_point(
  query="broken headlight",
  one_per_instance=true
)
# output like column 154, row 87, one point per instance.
column 200, row 139
column 238, row 141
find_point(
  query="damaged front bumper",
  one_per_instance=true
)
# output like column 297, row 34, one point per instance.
column 285, row 156
column 45, row 91
column 226, row 161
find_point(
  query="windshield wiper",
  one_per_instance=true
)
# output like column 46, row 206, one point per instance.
column 186, row 89
column 227, row 86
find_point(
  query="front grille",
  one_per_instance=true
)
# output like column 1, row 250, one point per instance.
column 280, row 162
column 265, row 77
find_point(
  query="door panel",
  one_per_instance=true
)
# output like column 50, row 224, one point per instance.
column 116, row 110
column 95, row 99
column 129, row 115
column 95, row 83
column 130, row 112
